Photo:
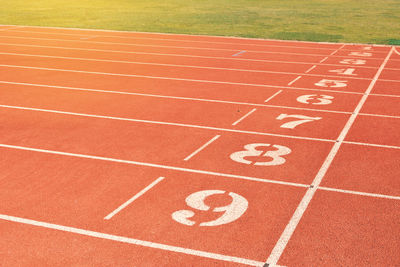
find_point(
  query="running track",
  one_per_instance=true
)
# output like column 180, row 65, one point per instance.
column 143, row 149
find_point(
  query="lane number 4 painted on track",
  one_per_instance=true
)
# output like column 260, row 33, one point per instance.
column 196, row 201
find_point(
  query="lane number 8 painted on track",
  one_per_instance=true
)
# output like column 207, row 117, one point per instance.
column 252, row 150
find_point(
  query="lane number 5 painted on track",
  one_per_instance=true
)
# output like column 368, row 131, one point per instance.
column 196, row 201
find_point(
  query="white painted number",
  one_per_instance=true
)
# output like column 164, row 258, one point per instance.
column 353, row 61
column 331, row 83
column 292, row 124
column 322, row 99
column 360, row 54
column 196, row 201
column 344, row 71
column 251, row 151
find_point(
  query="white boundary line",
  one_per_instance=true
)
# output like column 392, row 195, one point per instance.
column 180, row 47
column 244, row 116
column 351, row 192
column 274, row 95
column 163, row 123
column 128, row 202
column 133, row 241
column 181, row 55
column 334, row 52
column 175, row 65
column 160, row 166
column 293, row 81
column 174, row 97
column 310, row 69
column 200, row 36
column 368, row 144
column 202, row 147
column 301, row 208
column 322, row 60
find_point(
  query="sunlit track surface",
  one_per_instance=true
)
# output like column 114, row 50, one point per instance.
column 151, row 149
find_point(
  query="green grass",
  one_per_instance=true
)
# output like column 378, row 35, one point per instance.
column 365, row 21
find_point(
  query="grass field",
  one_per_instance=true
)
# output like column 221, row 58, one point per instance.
column 365, row 21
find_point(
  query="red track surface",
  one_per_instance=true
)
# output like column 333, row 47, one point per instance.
column 142, row 149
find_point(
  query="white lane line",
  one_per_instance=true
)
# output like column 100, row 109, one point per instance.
column 380, row 115
column 88, row 37
column 310, row 69
column 244, row 116
column 164, row 123
column 172, row 54
column 292, row 82
column 202, row 36
column 358, row 193
column 168, row 65
column 173, row 97
column 128, row 202
column 334, row 52
column 270, row 98
column 397, row 52
column 167, row 167
column 168, row 46
column 177, row 79
column 298, row 214
column 239, row 53
column 322, row 60
column 202, row 147
column 368, row 144
column 128, row 240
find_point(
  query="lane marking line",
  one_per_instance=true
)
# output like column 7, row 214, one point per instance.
column 397, row 52
column 270, row 98
column 322, row 60
column 173, row 65
column 368, row 144
column 165, row 123
column 310, row 69
column 128, row 240
column 160, row 166
column 88, row 37
column 301, row 208
column 202, row 147
column 334, row 52
column 380, row 115
column 173, row 97
column 177, row 79
column 292, row 82
column 239, row 53
column 200, row 36
column 244, row 116
column 128, row 202
column 172, row 54
column 358, row 193
column 169, row 46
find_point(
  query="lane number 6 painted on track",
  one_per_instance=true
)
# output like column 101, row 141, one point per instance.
column 196, row 200
column 253, row 151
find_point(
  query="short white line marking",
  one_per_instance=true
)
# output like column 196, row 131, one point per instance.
column 368, row 144
column 397, row 52
column 334, row 52
column 89, row 37
column 380, row 115
column 172, row 97
column 234, row 176
column 292, row 82
column 359, row 193
column 164, row 123
column 167, row 65
column 133, row 241
column 270, row 98
column 244, row 116
column 239, row 53
column 310, row 69
column 202, row 147
column 301, row 208
column 178, row 79
column 171, row 54
column 147, row 188
column 325, row 58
